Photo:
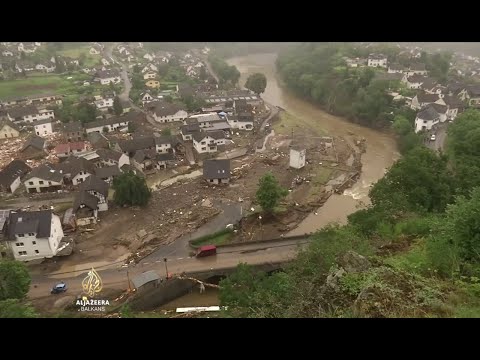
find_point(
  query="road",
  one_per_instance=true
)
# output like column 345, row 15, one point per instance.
column 253, row 254
column 441, row 136
column 25, row 202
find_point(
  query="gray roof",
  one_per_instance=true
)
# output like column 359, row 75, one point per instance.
column 144, row 278
column 190, row 128
column 428, row 84
column 21, row 111
column 9, row 123
column 216, row 169
column 416, row 79
column 396, row 67
column 105, row 74
column 216, row 134
column 41, row 122
column 417, row 67
column 474, row 90
column 106, row 172
column 441, row 109
column 73, row 165
column 73, row 126
column 85, row 198
column 34, row 141
column 107, row 154
column 141, row 155
column 428, row 113
column 140, row 143
column 94, row 183
column 45, row 172
column 218, row 125
column 427, row 98
column 165, row 109
column 31, row 221
column 377, row 56
column 95, row 137
column 453, row 102
column 104, row 122
column 165, row 157
column 164, row 140
column 12, row 171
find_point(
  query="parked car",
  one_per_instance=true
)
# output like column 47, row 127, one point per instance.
column 433, row 137
column 206, row 250
column 59, row 288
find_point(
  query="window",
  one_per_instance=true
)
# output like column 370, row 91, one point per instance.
column 22, row 253
column 37, row 252
column 19, row 244
column 204, row 148
column 40, row 182
column 30, row 183
column 31, row 234
column 34, row 243
column 203, row 143
column 20, row 235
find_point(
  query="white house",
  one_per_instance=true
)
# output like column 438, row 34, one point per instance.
column 85, row 208
column 42, row 179
column 149, row 75
column 455, row 106
column 166, row 112
column 11, row 175
column 146, row 98
column 377, row 60
column 417, row 69
column 414, row 81
column 421, row 100
column 108, row 76
column 109, row 157
column 29, row 114
column 95, row 49
column 48, row 67
column 150, row 67
column 163, row 144
column 297, row 157
column 149, row 57
column 426, row 119
column 34, row 234
column 207, row 142
column 43, row 127
column 104, row 104
column 97, row 187
column 396, row 69
column 105, row 62
column 7, row 53
column 8, row 129
column 111, row 124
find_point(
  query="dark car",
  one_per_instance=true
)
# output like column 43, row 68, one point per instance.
column 59, row 288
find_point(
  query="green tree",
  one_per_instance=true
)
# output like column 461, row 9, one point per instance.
column 59, row 66
column 257, row 83
column 409, row 141
column 269, row 193
column 131, row 189
column 14, row 280
column 126, row 312
column 117, row 106
column 401, row 125
column 131, row 127
column 166, row 132
column 14, row 309
column 81, row 59
column 86, row 112
column 420, row 181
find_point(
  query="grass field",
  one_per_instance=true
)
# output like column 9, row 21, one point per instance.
column 287, row 122
column 33, row 85
column 74, row 51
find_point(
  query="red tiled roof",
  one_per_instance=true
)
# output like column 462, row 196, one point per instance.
column 66, row 148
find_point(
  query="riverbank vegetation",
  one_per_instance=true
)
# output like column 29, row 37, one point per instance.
column 319, row 73
column 413, row 253
column 227, row 74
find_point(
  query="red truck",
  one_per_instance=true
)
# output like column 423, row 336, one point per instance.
column 206, row 250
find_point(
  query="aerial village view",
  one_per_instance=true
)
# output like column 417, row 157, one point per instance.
column 173, row 180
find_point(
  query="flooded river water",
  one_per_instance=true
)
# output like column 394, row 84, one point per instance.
column 381, row 148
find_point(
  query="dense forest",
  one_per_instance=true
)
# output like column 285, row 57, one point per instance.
column 318, row 72
column 413, row 253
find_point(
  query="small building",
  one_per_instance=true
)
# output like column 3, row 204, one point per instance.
column 33, row 148
column 206, row 142
column 153, row 84
column 108, row 173
column 34, row 234
column 73, row 131
column 43, row 179
column 98, row 140
column 297, row 156
column 149, row 75
column 166, row 112
column 216, row 171
column 146, row 281
column 107, row 77
column 85, row 208
column 426, row 119
column 11, row 176
column 97, row 187
column 75, row 169
column 72, row 148
column 8, row 129
column 109, row 157
column 29, row 114
column 377, row 60
column 188, row 130
column 43, row 127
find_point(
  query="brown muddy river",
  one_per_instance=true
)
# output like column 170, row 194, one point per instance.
column 381, row 148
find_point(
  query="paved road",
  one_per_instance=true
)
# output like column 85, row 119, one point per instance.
column 441, row 136
column 254, row 254
column 25, row 202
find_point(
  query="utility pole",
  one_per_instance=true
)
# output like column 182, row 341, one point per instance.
column 166, row 268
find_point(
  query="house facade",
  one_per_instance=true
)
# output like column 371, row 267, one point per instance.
column 204, row 142
column 216, row 172
column 34, row 235
column 73, row 131
column 165, row 112
column 99, row 188
column 12, row 174
column 43, row 127
column 8, row 130
column 43, row 179
column 377, row 60
column 426, row 119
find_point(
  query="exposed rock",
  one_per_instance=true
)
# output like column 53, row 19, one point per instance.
column 334, row 276
column 353, row 262
column 141, row 233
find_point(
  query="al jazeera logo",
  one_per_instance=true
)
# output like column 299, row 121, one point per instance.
column 92, row 285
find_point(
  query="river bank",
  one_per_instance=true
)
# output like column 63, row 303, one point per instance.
column 381, row 151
